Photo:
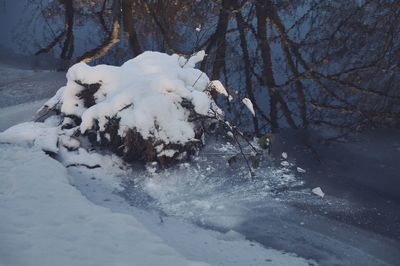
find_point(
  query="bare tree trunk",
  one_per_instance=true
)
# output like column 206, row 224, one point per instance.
column 262, row 10
column 287, row 46
column 51, row 45
column 129, row 27
column 112, row 39
column 218, row 40
column 247, row 66
column 219, row 61
column 156, row 10
column 68, row 47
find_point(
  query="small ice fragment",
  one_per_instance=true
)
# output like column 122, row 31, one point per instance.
column 318, row 191
column 285, row 163
column 284, row 155
column 198, row 28
column 300, row 170
column 249, row 105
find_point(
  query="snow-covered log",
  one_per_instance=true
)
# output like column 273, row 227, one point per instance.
column 155, row 107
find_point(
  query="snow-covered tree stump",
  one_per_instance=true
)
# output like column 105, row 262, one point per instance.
column 155, row 107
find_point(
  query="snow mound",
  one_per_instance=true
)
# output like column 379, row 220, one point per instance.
column 155, row 107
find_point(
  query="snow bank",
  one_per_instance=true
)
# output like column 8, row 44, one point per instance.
column 155, row 107
column 46, row 221
column 39, row 135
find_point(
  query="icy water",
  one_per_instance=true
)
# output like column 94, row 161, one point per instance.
column 276, row 208
column 356, row 222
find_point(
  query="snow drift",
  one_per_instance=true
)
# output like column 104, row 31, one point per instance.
column 155, row 107
column 46, row 221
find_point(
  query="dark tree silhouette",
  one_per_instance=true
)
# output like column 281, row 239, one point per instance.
column 305, row 63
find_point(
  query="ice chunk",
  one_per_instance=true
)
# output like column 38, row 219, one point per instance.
column 300, row 170
column 285, row 163
column 318, row 191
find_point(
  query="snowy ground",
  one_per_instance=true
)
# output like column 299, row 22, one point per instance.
column 46, row 221
column 202, row 212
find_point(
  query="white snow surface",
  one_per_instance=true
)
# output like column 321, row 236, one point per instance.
column 145, row 93
column 46, row 221
column 39, row 135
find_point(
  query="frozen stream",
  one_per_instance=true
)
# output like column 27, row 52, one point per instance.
column 356, row 223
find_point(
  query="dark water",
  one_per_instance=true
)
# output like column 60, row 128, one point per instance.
column 330, row 65
column 357, row 222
